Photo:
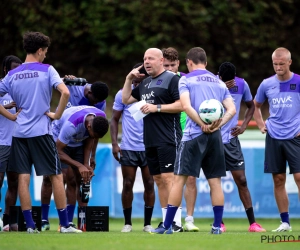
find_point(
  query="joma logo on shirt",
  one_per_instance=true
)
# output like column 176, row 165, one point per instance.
column 282, row 100
column 26, row 75
column 148, row 96
column 207, row 79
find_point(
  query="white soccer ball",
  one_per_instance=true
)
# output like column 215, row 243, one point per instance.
column 211, row 110
column 1, row 225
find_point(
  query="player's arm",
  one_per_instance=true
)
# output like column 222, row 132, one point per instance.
column 87, row 149
column 247, row 118
column 65, row 94
column 189, row 110
column 230, row 110
column 93, row 153
column 84, row 172
column 114, row 128
column 258, row 117
column 127, row 98
column 9, row 115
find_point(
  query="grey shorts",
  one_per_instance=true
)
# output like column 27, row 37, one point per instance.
column 133, row 158
column 279, row 152
column 40, row 151
column 234, row 158
column 76, row 153
column 205, row 151
column 4, row 156
column 161, row 159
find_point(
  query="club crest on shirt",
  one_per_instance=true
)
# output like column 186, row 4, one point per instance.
column 159, row 82
column 293, row 86
column 234, row 89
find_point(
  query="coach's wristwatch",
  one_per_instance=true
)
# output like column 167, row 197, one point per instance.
column 158, row 107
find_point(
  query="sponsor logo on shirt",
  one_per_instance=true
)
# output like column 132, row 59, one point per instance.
column 282, row 102
column 148, row 96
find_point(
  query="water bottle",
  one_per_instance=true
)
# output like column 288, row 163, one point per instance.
column 85, row 191
column 75, row 81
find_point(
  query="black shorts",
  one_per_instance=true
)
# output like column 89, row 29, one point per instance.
column 161, row 159
column 234, row 158
column 40, row 151
column 4, row 156
column 76, row 153
column 278, row 152
column 205, row 151
column 133, row 158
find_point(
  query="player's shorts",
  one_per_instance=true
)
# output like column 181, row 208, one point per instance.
column 234, row 157
column 133, row 158
column 76, row 153
column 161, row 159
column 278, row 152
column 205, row 151
column 4, row 156
column 40, row 151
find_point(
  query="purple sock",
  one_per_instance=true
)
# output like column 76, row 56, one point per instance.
column 28, row 218
column 171, row 211
column 45, row 211
column 63, row 217
column 218, row 214
column 285, row 217
column 70, row 211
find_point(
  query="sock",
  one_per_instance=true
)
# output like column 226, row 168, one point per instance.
column 164, row 212
column 5, row 219
column 177, row 217
column 189, row 218
column 127, row 215
column 70, row 212
column 285, row 217
column 45, row 211
column 250, row 215
column 171, row 211
column 63, row 217
column 147, row 215
column 28, row 218
column 218, row 214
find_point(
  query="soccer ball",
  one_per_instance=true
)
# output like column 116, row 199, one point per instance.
column 211, row 110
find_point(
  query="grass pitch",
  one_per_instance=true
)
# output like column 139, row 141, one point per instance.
column 236, row 237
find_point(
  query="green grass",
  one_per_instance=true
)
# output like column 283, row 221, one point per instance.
column 236, row 237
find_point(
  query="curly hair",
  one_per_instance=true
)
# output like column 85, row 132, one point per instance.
column 6, row 63
column 170, row 54
column 32, row 41
column 227, row 71
column 99, row 90
column 100, row 126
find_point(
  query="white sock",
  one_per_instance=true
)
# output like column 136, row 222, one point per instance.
column 189, row 218
column 164, row 212
column 177, row 217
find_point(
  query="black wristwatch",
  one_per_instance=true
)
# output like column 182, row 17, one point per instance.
column 158, row 107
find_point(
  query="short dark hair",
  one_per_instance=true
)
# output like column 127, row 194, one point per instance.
column 100, row 126
column 6, row 63
column 99, row 90
column 32, row 41
column 170, row 54
column 197, row 55
column 227, row 71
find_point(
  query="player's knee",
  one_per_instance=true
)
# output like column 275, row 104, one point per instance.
column 242, row 181
column 128, row 183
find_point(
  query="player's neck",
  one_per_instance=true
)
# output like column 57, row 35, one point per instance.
column 285, row 77
column 31, row 58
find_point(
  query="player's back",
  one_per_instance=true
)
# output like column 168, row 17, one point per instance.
column 30, row 86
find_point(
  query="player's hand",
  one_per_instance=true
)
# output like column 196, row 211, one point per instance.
column 16, row 114
column 238, row 130
column 70, row 76
column 92, row 162
column 91, row 172
column 85, row 173
column 148, row 108
column 116, row 151
column 10, row 105
column 210, row 128
column 263, row 129
column 135, row 73
column 230, row 84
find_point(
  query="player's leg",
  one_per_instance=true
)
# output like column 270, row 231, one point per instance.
column 149, row 194
column 71, row 192
column 2, row 173
column 46, row 192
column 190, row 195
column 10, row 198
